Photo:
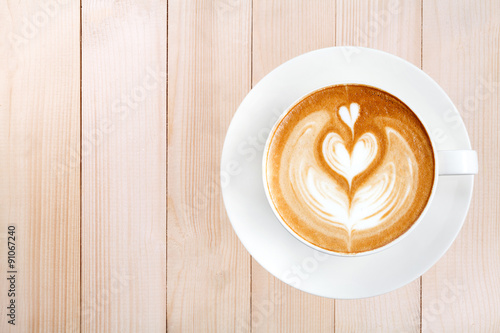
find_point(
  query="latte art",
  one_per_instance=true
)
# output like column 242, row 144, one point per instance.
column 369, row 205
column 350, row 168
column 349, row 164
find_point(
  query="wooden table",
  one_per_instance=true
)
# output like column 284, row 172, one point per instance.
column 112, row 120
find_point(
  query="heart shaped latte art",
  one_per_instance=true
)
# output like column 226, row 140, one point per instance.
column 349, row 116
column 349, row 165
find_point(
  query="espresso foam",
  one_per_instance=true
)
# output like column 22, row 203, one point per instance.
column 350, row 168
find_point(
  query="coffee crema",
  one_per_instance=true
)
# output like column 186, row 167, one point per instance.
column 349, row 168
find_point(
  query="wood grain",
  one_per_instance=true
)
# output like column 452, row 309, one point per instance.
column 39, row 163
column 91, row 238
column 123, row 166
column 461, row 293
column 389, row 25
column 283, row 30
column 392, row 26
column 208, row 76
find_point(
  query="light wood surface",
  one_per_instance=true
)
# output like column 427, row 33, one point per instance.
column 123, row 166
column 39, row 165
column 461, row 293
column 208, row 75
column 134, row 236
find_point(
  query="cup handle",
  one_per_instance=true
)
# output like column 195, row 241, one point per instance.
column 457, row 162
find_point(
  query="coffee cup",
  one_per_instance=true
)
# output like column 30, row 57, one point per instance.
column 350, row 169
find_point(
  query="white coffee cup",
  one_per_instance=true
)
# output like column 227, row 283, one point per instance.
column 447, row 163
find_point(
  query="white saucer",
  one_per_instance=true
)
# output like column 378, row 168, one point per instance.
column 271, row 244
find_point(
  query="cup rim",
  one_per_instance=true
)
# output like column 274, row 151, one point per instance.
column 295, row 234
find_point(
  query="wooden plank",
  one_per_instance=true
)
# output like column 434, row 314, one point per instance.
column 282, row 30
column 392, row 26
column 208, row 76
column 389, row 25
column 397, row 311
column 285, row 29
column 460, row 51
column 124, row 166
column 39, row 163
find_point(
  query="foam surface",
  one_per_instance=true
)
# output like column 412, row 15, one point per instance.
column 350, row 168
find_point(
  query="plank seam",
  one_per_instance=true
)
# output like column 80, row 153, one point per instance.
column 81, row 130
column 166, row 178
column 251, row 86
column 421, row 67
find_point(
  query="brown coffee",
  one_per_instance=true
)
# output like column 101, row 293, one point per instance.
column 349, row 168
